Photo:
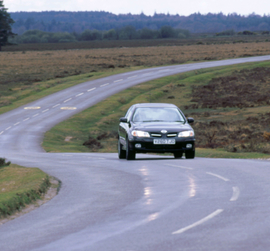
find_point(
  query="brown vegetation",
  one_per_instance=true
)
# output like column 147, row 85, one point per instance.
column 24, row 70
column 246, row 88
column 245, row 135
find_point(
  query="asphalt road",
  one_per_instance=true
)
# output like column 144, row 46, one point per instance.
column 152, row 203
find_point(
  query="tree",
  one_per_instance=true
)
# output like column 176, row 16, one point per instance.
column 110, row 35
column 5, row 25
column 167, row 31
column 88, row 35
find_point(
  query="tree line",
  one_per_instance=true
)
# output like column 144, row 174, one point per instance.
column 124, row 33
column 64, row 21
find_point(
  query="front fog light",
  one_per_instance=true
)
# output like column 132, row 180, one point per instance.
column 189, row 146
column 138, row 145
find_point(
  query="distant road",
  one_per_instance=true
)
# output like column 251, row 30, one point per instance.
column 152, row 203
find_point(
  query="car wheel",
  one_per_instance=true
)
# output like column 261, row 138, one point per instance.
column 178, row 155
column 190, row 154
column 130, row 154
column 121, row 152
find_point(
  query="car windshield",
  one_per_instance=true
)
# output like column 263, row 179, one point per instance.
column 157, row 114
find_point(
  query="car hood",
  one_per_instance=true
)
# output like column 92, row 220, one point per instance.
column 158, row 126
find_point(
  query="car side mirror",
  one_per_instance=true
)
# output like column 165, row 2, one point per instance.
column 190, row 120
column 123, row 119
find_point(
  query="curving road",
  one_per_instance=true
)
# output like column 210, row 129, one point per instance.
column 152, row 203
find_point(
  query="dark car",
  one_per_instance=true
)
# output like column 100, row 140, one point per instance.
column 157, row 128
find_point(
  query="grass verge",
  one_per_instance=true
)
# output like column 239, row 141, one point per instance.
column 20, row 186
column 221, row 153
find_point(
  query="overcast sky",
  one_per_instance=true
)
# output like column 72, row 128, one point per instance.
column 148, row 7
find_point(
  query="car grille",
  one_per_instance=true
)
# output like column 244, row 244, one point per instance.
column 169, row 135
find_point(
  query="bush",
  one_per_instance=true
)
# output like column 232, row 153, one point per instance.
column 246, row 33
column 3, row 162
column 146, row 33
column 89, row 35
column 64, row 37
column 266, row 136
column 31, row 39
column 110, row 35
column 226, row 33
column 167, row 32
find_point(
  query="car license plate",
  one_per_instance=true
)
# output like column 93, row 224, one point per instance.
column 164, row 141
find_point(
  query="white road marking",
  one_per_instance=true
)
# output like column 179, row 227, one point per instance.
column 1, row 132
column 79, row 94
column 32, row 108
column 236, row 193
column 104, row 85
column 8, row 128
column 91, row 89
column 55, row 105
column 207, row 218
column 67, row 100
column 189, row 168
column 45, row 110
column 36, row 115
column 218, row 176
column 26, row 119
column 132, row 76
column 119, row 80
column 68, row 108
column 17, row 123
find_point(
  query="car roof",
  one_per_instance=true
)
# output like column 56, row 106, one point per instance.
column 154, row 105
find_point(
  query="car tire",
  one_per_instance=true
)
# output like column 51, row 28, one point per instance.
column 190, row 154
column 130, row 154
column 178, row 155
column 121, row 152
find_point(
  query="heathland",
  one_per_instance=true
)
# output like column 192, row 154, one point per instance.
column 232, row 115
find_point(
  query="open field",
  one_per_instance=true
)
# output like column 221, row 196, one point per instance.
column 234, row 117
column 98, row 44
column 23, row 73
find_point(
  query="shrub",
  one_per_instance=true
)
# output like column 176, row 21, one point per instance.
column 266, row 135
column 3, row 162
column 93, row 144
column 226, row 33
column 89, row 35
column 110, row 35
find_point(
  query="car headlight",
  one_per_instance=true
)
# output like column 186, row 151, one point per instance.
column 136, row 133
column 185, row 134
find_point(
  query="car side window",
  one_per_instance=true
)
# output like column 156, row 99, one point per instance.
column 129, row 112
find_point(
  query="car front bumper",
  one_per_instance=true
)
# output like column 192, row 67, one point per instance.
column 144, row 145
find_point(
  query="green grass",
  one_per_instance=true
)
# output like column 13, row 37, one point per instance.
column 103, row 118
column 20, row 186
column 221, row 153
